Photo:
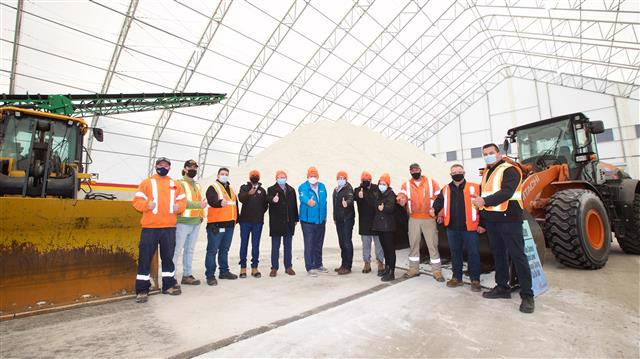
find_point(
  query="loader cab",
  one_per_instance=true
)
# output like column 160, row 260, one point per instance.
column 40, row 153
column 568, row 139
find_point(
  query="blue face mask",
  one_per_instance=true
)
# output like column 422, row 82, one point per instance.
column 382, row 188
column 162, row 171
column 223, row 179
column 490, row 159
column 341, row 182
column 282, row 181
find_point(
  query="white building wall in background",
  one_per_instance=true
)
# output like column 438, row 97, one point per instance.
column 517, row 102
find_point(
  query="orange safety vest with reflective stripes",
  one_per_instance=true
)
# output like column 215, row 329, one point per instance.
column 166, row 194
column 420, row 198
column 226, row 213
column 191, row 195
column 472, row 217
column 492, row 184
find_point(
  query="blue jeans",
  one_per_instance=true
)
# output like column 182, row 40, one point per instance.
column 186, row 237
column 275, row 250
column 217, row 243
column 255, row 230
column 458, row 240
column 313, row 240
column 345, row 233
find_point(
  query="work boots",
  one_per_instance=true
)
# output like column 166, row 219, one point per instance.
column 255, row 273
column 338, row 269
column 228, row 275
column 290, row 271
column 367, row 267
column 190, row 280
column 412, row 272
column 273, row 273
column 497, row 293
column 527, row 305
column 380, row 267
column 243, row 272
column 454, row 282
column 344, row 271
column 142, row 297
column 437, row 275
column 212, row 280
column 175, row 290
column 475, row 286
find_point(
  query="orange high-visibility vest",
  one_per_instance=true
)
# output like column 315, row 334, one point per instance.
column 471, row 212
column 165, row 194
column 492, row 184
column 226, row 213
column 191, row 196
column 420, row 198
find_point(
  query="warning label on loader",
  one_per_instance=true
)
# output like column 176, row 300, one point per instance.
column 538, row 279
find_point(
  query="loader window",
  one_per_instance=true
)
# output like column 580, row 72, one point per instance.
column 17, row 140
column 64, row 141
column 553, row 142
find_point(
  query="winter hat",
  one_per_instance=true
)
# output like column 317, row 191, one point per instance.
column 254, row 173
column 386, row 178
column 281, row 173
column 312, row 172
column 342, row 174
column 365, row 176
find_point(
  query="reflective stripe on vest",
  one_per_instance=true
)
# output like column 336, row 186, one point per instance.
column 493, row 184
column 424, row 193
column 154, row 193
column 172, row 195
column 190, row 197
column 471, row 213
column 226, row 213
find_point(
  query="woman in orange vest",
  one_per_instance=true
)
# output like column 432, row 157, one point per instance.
column 461, row 219
column 221, row 220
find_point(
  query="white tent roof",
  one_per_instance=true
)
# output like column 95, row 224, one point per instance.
column 403, row 68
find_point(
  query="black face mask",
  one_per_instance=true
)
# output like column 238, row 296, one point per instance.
column 416, row 176
column 458, row 177
column 254, row 180
column 366, row 184
column 192, row 173
column 162, row 171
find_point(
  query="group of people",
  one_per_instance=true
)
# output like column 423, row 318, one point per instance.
column 172, row 212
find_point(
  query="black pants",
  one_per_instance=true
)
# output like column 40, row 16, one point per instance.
column 345, row 234
column 386, row 239
column 506, row 239
column 149, row 240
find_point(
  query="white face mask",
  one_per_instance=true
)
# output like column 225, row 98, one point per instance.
column 313, row 180
column 223, row 179
column 341, row 182
column 382, row 188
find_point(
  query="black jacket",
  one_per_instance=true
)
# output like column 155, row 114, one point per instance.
column 341, row 214
column 215, row 201
column 510, row 181
column 457, row 207
column 401, row 234
column 253, row 206
column 283, row 215
column 385, row 221
column 366, row 209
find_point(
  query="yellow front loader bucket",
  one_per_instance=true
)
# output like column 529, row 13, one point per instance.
column 62, row 252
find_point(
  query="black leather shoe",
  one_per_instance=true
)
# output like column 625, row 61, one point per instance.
column 228, row 275
column 527, row 305
column 384, row 272
column 212, row 281
column 497, row 293
column 389, row 276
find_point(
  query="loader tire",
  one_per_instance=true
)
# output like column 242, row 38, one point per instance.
column 578, row 229
column 630, row 241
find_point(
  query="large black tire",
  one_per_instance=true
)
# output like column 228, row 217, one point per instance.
column 630, row 240
column 566, row 229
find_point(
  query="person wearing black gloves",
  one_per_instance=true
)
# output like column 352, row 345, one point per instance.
column 254, row 204
column 385, row 224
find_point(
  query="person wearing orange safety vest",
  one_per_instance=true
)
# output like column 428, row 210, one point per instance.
column 189, row 221
column 160, row 199
column 222, row 217
column 419, row 193
column 501, row 215
column 454, row 208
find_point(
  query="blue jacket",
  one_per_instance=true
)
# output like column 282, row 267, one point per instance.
column 318, row 213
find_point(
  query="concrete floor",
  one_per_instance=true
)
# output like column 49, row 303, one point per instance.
column 584, row 314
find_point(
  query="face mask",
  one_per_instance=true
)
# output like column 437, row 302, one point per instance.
column 416, row 176
column 341, row 182
column 366, row 183
column 223, row 179
column 282, row 181
column 313, row 180
column 382, row 188
column 458, row 177
column 192, row 173
column 162, row 171
column 490, row 159
column 254, row 180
